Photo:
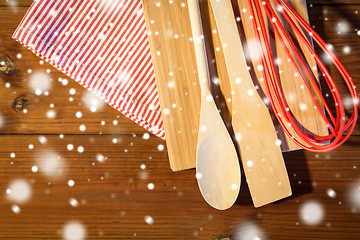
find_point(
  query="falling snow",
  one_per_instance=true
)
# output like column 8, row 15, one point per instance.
column 248, row 230
column 70, row 147
column 74, row 231
column 16, row 209
column 346, row 49
column 331, row 193
column 311, row 212
column 34, row 169
column 51, row 114
column 161, row 147
column 80, row 149
column 72, row 91
column 19, row 191
column 354, row 194
column 252, row 47
column 92, row 102
column 73, row 202
column 149, row 220
column 151, row 186
column 2, row 121
column 146, row 136
column 71, row 183
column 342, row 27
column 78, row 114
column 40, row 82
column 82, row 128
column 100, row 157
column 198, row 175
column 42, row 139
column 50, row 163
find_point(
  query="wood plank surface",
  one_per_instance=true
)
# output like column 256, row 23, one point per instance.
column 117, row 203
column 114, row 197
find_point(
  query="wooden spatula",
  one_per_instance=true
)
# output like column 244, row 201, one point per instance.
column 259, row 146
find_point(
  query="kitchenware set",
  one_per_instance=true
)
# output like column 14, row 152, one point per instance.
column 156, row 61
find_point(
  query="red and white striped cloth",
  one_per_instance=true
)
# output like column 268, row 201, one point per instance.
column 103, row 45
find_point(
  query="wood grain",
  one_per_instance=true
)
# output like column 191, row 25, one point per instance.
column 217, row 161
column 115, row 207
column 177, row 79
column 296, row 96
column 265, row 170
column 116, row 199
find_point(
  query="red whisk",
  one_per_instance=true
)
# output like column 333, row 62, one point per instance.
column 337, row 124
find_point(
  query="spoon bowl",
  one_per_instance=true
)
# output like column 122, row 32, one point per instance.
column 220, row 188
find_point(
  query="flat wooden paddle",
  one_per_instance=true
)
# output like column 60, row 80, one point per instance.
column 217, row 164
column 259, row 146
column 175, row 67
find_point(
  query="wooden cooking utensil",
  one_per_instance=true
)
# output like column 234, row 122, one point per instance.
column 217, row 165
column 259, row 146
column 176, row 77
column 179, row 91
column 300, row 104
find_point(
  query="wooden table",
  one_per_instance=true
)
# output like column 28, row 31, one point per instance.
column 122, row 185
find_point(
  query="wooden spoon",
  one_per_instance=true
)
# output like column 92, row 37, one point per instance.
column 217, row 164
column 259, row 146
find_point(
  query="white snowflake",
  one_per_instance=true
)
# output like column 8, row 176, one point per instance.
column 311, row 212
column 19, row 191
column 149, row 220
column 74, row 230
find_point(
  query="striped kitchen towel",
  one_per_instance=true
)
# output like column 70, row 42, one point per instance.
column 101, row 44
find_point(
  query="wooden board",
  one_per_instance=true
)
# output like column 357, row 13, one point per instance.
column 177, row 79
column 115, row 207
